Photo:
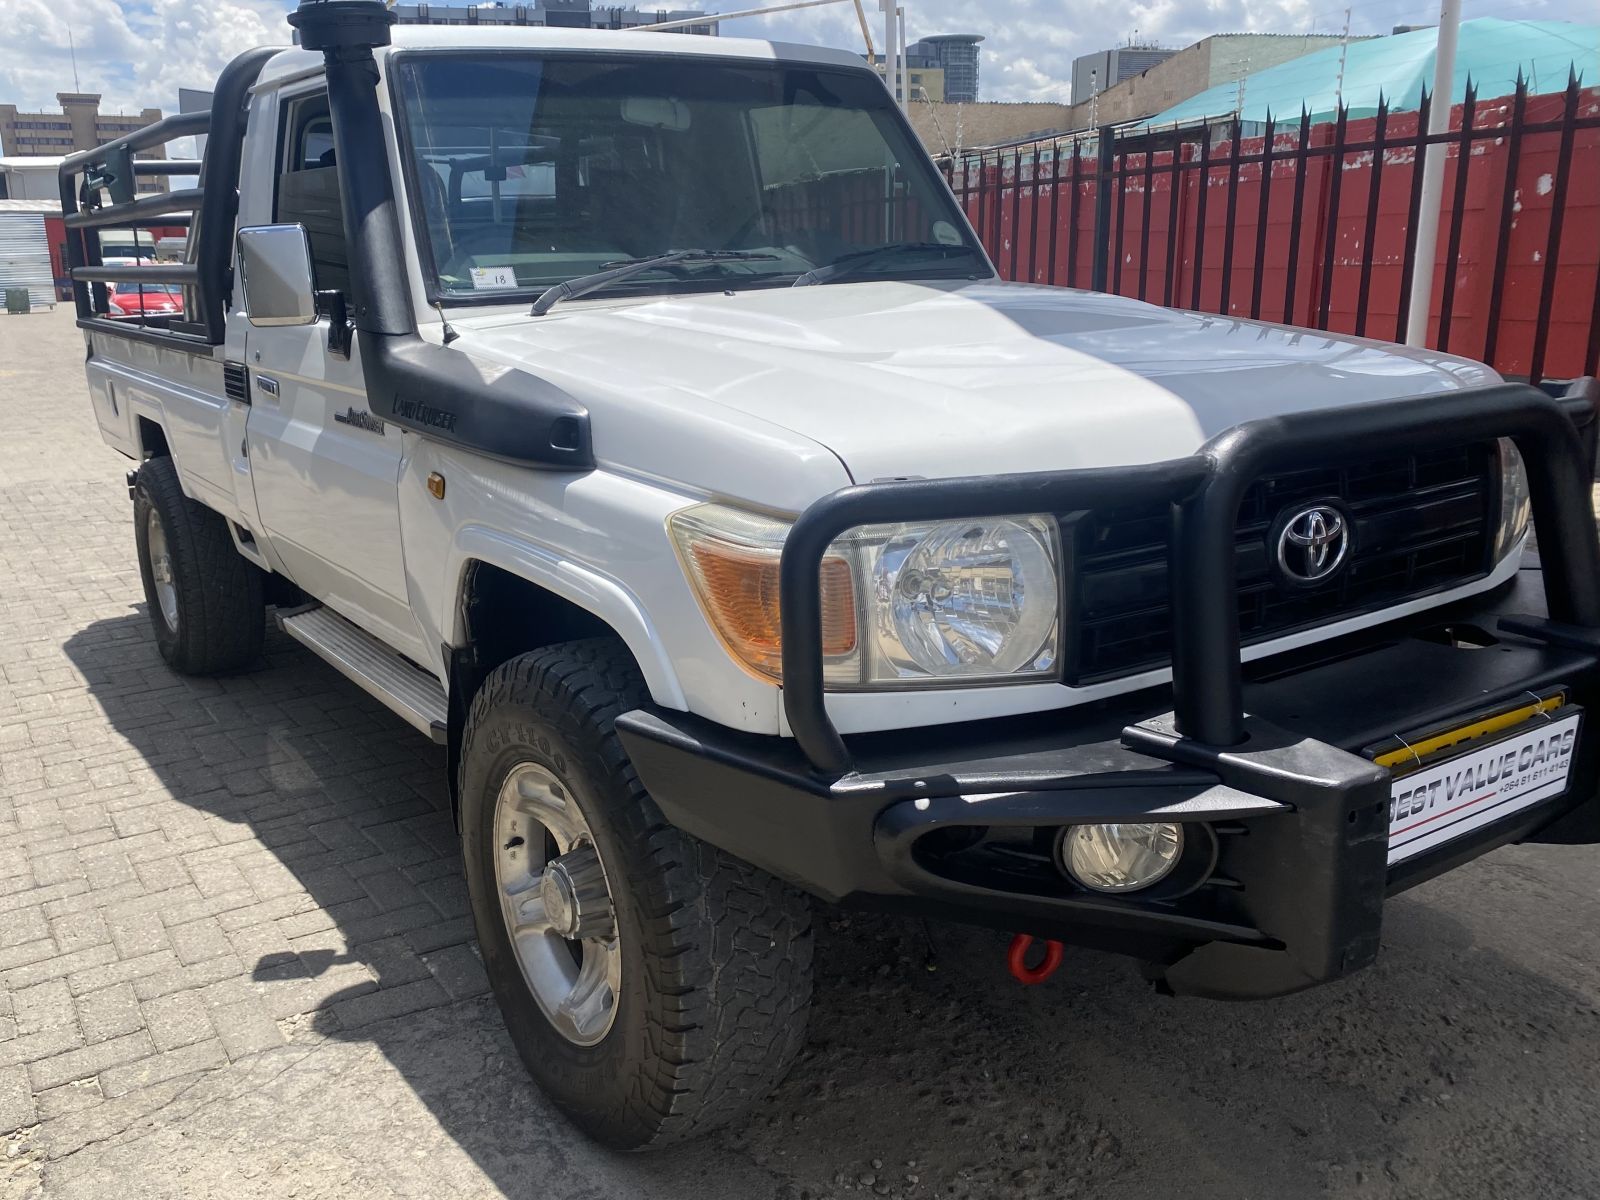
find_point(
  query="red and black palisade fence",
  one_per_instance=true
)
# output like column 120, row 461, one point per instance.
column 1315, row 224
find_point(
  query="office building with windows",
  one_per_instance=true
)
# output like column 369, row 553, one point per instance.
column 956, row 55
column 943, row 67
column 924, row 77
column 80, row 125
column 1094, row 73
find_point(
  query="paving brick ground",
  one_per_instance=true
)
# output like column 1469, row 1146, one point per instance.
column 188, row 868
column 234, row 962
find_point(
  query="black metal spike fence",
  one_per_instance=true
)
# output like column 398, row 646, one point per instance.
column 1315, row 223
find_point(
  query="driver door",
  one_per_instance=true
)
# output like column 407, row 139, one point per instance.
column 326, row 470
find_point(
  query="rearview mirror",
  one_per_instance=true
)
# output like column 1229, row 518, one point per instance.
column 275, row 263
column 656, row 112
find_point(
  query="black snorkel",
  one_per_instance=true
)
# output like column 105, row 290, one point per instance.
column 443, row 393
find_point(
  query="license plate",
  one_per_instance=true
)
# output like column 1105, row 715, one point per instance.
column 1439, row 801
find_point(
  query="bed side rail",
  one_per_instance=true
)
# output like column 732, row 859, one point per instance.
column 99, row 192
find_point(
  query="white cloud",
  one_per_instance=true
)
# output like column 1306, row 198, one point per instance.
column 1030, row 44
column 210, row 34
column 135, row 55
column 139, row 52
column 37, row 60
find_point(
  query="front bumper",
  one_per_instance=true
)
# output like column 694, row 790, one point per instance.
column 1264, row 766
column 1299, row 818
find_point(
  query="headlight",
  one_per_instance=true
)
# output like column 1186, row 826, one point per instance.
column 1513, row 500
column 903, row 605
column 964, row 601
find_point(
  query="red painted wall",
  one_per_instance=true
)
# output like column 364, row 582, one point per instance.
column 1016, row 225
column 55, row 233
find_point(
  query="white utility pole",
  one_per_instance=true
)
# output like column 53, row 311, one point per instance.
column 1444, row 70
column 891, row 48
column 905, row 71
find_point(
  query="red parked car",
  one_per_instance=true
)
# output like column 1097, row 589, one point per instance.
column 148, row 299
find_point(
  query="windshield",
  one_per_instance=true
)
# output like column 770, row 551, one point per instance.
column 532, row 170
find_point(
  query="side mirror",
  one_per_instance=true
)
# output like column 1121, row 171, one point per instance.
column 275, row 262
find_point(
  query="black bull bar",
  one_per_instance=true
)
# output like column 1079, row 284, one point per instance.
column 1204, row 492
column 1301, row 817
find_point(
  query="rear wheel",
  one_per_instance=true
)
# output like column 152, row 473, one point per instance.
column 204, row 597
column 654, row 986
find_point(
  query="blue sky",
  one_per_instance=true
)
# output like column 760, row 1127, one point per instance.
column 139, row 52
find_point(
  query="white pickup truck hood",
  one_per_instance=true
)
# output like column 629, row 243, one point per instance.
column 933, row 380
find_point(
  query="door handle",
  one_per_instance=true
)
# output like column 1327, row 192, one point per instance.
column 268, row 386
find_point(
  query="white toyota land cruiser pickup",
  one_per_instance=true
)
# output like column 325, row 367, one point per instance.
column 639, row 417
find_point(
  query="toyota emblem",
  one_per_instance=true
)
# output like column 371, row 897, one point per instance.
column 1312, row 544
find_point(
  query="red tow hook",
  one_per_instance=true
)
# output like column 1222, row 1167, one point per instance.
column 1017, row 960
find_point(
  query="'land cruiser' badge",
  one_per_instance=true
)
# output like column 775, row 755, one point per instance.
column 361, row 419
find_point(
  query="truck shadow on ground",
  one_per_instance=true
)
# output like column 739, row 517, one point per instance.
column 928, row 1072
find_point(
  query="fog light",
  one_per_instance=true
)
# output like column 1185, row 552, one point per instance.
column 1121, row 858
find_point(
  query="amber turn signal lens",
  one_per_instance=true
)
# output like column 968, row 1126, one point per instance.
column 738, row 587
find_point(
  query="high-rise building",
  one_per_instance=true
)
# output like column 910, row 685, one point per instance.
column 1094, row 73
column 80, row 125
column 955, row 54
column 556, row 14
column 924, row 77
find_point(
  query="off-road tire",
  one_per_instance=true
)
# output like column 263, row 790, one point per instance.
column 716, row 978
column 221, row 615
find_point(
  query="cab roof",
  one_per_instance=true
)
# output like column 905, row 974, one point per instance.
column 294, row 61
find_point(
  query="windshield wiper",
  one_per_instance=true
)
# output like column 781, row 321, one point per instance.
column 859, row 260
column 584, row 284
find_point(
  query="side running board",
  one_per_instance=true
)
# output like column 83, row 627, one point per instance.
column 411, row 692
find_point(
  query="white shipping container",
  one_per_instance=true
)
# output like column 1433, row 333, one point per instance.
column 25, row 257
